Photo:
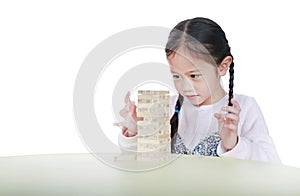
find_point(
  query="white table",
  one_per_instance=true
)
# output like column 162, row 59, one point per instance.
column 83, row 174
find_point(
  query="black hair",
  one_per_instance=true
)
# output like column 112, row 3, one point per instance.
column 204, row 37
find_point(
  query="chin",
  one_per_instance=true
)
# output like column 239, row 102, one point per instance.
column 197, row 101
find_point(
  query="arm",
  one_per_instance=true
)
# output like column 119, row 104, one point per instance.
column 128, row 136
column 254, row 142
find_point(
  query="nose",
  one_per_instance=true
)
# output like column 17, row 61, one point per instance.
column 187, row 86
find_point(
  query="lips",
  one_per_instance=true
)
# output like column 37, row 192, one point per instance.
column 191, row 96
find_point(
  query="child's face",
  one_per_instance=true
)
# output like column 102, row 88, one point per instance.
column 197, row 81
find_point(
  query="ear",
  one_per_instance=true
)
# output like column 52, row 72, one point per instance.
column 224, row 65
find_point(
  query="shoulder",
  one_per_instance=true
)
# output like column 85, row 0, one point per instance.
column 251, row 116
column 244, row 100
column 248, row 104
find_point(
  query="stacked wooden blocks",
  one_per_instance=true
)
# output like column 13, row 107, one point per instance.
column 154, row 130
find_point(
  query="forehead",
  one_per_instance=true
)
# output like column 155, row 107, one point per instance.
column 181, row 62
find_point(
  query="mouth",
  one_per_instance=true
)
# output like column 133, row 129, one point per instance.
column 191, row 96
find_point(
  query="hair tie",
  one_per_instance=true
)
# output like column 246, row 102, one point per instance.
column 176, row 111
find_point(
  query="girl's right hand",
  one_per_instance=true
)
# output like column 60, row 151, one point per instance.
column 129, row 125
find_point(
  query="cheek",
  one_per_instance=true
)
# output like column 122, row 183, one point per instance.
column 202, row 87
column 189, row 85
column 212, row 78
column 178, row 85
column 212, row 83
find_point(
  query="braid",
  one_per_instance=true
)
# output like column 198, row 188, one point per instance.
column 174, row 120
column 231, row 78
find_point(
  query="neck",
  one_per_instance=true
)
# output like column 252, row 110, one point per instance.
column 219, row 94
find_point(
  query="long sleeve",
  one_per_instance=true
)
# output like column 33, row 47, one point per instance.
column 128, row 144
column 254, row 142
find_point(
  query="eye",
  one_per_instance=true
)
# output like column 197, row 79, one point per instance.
column 176, row 77
column 195, row 76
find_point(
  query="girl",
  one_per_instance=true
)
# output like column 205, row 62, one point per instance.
column 205, row 120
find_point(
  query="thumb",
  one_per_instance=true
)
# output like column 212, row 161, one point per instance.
column 217, row 116
column 119, row 124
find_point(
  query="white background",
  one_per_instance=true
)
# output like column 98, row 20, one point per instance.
column 43, row 44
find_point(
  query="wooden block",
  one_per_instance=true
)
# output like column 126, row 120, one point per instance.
column 150, row 92
column 154, row 130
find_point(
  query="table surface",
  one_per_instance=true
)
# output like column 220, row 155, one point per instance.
column 83, row 174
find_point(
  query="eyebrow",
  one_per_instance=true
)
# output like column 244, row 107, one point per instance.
column 191, row 71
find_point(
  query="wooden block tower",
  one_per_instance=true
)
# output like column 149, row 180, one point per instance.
column 154, row 130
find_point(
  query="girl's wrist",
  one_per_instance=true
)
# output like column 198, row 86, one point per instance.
column 129, row 134
column 230, row 148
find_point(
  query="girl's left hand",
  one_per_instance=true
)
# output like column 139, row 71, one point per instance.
column 228, row 125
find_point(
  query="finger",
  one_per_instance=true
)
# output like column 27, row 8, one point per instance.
column 231, row 127
column 131, row 105
column 126, row 133
column 235, row 104
column 124, row 130
column 127, row 97
column 230, row 109
column 132, row 108
column 119, row 123
column 218, row 116
column 123, row 112
column 116, row 124
column 232, row 117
